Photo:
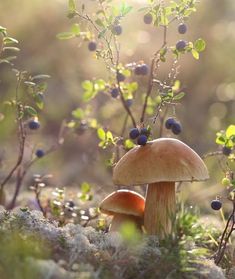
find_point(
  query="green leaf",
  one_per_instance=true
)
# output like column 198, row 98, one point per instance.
column 164, row 20
column 2, row 29
column 230, row 131
column 220, row 138
column 125, row 9
column 41, row 77
column 30, row 83
column 179, row 96
column 65, row 35
column 100, row 22
column 78, row 113
column 200, row 45
column 87, row 85
column 129, row 144
column 85, row 188
column 132, row 87
column 9, row 40
column 93, row 123
column 195, row 54
column 72, row 5
column 4, row 61
column 101, row 134
column 99, row 85
column 109, row 136
column 176, row 86
column 10, row 58
column 39, row 100
column 232, row 138
column 30, row 111
column 88, row 95
column 42, row 86
column 11, row 49
column 75, row 29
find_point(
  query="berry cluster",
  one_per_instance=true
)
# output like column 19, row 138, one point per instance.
column 173, row 125
column 34, row 124
column 181, row 44
column 140, row 134
column 141, row 70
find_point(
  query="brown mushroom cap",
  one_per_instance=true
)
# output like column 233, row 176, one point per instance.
column 123, row 202
column 164, row 159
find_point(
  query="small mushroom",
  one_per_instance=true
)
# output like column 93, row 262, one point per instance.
column 125, row 206
column 160, row 163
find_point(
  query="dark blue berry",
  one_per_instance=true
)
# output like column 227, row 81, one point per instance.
column 144, row 69
column 70, row 203
column 169, row 122
column 181, row 45
column 129, row 102
column 144, row 131
column 176, row 128
column 92, row 46
column 216, row 204
column 33, row 125
column 39, row 153
column 120, row 77
column 148, row 18
column 138, row 70
column 182, row 28
column 117, row 29
column 134, row 133
column 114, row 92
column 226, row 150
column 142, row 140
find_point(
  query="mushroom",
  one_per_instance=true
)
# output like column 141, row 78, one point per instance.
column 125, row 206
column 160, row 163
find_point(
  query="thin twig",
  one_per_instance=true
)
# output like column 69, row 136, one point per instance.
column 21, row 136
column 225, row 237
column 119, row 86
column 21, row 175
column 211, row 154
column 154, row 62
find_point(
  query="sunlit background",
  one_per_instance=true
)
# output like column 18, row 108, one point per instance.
column 207, row 107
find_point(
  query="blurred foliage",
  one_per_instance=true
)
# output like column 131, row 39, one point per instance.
column 208, row 102
column 15, row 254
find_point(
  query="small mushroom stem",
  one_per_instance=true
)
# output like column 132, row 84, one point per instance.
column 159, row 208
column 121, row 219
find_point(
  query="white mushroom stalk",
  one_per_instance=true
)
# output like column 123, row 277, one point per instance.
column 160, row 163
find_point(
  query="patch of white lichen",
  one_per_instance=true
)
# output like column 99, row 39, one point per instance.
column 76, row 252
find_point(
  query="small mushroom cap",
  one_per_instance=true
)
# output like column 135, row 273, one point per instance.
column 160, row 160
column 123, row 202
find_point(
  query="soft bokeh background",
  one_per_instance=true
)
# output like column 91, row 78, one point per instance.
column 208, row 106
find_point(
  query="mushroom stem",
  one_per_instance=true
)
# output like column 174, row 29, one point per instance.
column 120, row 219
column 159, row 208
